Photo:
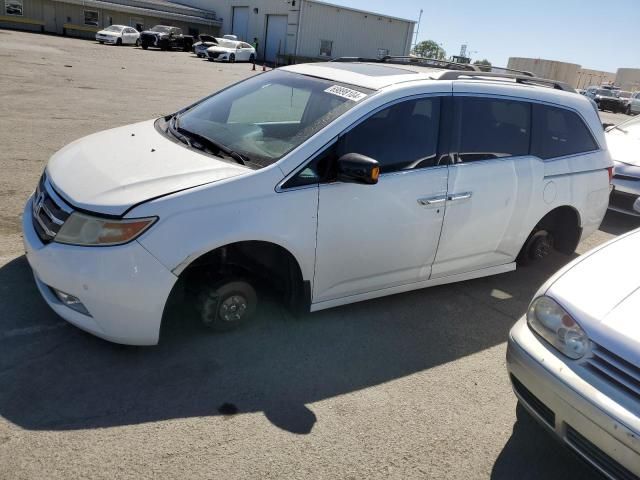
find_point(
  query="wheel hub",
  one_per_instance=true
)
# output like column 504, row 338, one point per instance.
column 233, row 308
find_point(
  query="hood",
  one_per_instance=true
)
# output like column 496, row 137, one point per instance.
column 151, row 32
column 109, row 34
column 623, row 147
column 110, row 171
column 602, row 292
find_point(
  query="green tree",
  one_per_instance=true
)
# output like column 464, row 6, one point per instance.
column 429, row 49
column 484, row 65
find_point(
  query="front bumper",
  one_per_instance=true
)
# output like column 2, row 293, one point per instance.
column 124, row 288
column 106, row 39
column 590, row 423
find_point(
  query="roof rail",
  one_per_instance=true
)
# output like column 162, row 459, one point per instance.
column 403, row 60
column 523, row 79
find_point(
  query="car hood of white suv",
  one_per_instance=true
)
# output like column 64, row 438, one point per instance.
column 109, row 172
column 601, row 290
column 623, row 147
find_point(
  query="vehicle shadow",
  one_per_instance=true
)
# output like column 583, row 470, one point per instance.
column 55, row 377
column 533, row 453
column 618, row 223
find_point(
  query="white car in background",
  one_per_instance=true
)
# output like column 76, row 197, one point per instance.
column 624, row 146
column 574, row 358
column 231, row 51
column 119, row 35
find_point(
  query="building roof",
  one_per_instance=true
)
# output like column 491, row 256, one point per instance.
column 342, row 7
column 162, row 8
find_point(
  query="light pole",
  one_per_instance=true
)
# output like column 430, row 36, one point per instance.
column 417, row 29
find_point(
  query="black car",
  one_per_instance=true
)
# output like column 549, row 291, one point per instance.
column 606, row 99
column 165, row 38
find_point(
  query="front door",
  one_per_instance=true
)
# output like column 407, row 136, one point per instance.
column 491, row 184
column 372, row 237
column 240, row 23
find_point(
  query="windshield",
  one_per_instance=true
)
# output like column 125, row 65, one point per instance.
column 161, row 29
column 605, row 93
column 226, row 43
column 267, row 116
column 114, row 28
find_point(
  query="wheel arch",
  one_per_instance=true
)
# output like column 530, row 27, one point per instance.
column 565, row 224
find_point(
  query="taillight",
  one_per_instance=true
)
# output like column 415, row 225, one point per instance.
column 610, row 170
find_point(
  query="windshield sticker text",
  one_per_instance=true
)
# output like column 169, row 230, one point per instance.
column 345, row 92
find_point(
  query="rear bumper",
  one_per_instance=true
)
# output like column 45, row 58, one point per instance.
column 573, row 410
column 124, row 288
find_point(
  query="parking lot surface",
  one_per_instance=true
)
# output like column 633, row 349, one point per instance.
column 408, row 386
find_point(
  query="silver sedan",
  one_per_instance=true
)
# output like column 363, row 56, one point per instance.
column 624, row 145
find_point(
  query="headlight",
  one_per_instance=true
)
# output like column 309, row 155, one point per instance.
column 556, row 326
column 81, row 229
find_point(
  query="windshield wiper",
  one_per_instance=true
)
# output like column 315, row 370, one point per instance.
column 201, row 142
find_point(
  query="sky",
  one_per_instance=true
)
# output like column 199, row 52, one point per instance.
column 601, row 35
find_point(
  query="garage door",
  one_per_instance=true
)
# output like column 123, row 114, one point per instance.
column 276, row 37
column 241, row 23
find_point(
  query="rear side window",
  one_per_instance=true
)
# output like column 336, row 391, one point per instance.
column 492, row 128
column 558, row 132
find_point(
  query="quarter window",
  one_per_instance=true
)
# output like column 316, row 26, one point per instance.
column 558, row 132
column 492, row 128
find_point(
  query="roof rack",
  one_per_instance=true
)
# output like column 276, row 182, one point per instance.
column 404, row 60
column 523, row 79
column 509, row 70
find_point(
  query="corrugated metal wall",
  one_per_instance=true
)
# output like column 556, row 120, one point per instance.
column 352, row 33
column 561, row 71
column 628, row 79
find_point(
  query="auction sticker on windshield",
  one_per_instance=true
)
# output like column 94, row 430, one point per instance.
column 345, row 92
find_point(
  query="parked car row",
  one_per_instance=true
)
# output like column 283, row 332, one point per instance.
column 614, row 99
column 347, row 181
column 225, row 49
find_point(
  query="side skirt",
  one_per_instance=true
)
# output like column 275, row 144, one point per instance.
column 485, row 272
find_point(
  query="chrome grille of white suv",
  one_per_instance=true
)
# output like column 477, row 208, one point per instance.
column 48, row 215
column 615, row 370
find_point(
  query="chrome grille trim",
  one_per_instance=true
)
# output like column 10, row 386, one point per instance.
column 616, row 370
column 49, row 211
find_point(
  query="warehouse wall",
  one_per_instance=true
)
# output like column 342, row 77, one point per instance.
column 352, row 33
column 64, row 18
column 589, row 78
column 628, row 79
column 561, row 71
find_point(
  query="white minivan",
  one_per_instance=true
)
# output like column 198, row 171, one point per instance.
column 331, row 183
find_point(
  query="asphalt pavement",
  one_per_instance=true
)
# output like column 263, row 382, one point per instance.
column 407, row 386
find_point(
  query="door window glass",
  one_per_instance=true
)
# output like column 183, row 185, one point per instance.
column 401, row 137
column 492, row 128
column 558, row 132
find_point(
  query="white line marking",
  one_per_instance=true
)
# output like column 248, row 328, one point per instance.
column 36, row 329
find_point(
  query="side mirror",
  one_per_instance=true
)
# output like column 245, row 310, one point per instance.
column 605, row 126
column 356, row 168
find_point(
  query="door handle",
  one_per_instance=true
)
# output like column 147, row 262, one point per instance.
column 432, row 201
column 456, row 197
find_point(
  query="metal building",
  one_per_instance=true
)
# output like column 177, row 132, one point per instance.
column 561, row 71
column 308, row 30
column 590, row 78
column 628, row 79
column 82, row 18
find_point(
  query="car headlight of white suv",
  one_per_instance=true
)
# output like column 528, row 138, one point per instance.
column 87, row 230
column 553, row 323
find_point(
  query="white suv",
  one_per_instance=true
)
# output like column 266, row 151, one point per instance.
column 331, row 183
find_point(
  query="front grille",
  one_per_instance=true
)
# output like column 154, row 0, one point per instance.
column 148, row 38
column 534, row 402
column 622, row 200
column 48, row 216
column 214, row 54
column 597, row 456
column 615, row 370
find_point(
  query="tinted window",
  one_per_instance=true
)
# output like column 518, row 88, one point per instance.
column 558, row 132
column 492, row 128
column 401, row 137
